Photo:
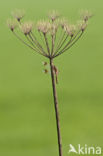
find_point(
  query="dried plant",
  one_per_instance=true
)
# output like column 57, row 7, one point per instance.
column 57, row 36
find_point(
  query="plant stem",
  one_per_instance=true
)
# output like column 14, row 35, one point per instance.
column 56, row 107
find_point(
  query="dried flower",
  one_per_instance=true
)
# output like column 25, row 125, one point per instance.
column 54, row 27
column 70, row 29
column 43, row 26
column 53, row 15
column 86, row 15
column 12, row 24
column 18, row 14
column 82, row 25
column 63, row 22
column 26, row 27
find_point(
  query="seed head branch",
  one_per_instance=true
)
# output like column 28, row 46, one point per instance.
column 69, row 41
column 26, row 43
column 47, row 45
column 36, row 43
column 32, row 43
column 69, row 46
column 42, row 39
column 52, row 50
column 62, row 43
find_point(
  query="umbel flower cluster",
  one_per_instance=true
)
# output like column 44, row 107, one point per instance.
column 56, row 34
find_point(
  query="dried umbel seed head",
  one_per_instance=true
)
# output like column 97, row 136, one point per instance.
column 18, row 14
column 82, row 25
column 26, row 27
column 12, row 24
column 85, row 15
column 43, row 26
column 53, row 15
column 57, row 35
column 70, row 29
column 54, row 28
column 63, row 22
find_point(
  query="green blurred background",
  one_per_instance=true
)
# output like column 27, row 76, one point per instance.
column 27, row 119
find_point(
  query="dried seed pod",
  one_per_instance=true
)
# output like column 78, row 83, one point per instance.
column 26, row 27
column 70, row 29
column 18, row 14
column 53, row 15
column 63, row 22
column 12, row 24
column 82, row 25
column 85, row 15
column 43, row 26
column 54, row 28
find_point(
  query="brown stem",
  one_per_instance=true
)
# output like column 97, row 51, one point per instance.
column 56, row 108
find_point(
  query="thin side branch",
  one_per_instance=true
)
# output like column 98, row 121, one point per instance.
column 27, row 44
column 53, row 41
column 63, row 42
column 69, row 46
column 47, row 45
column 71, row 40
column 60, row 40
column 38, row 46
column 36, row 42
